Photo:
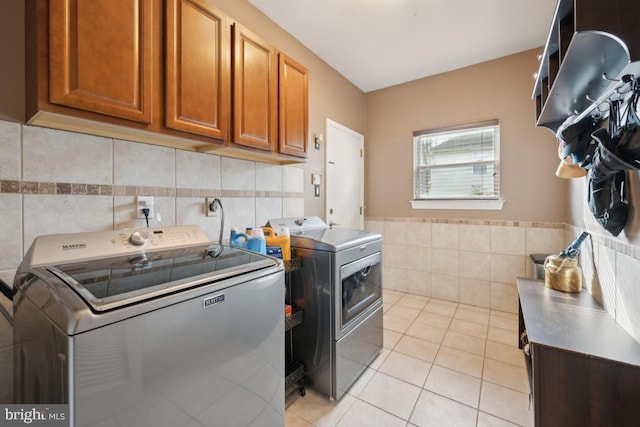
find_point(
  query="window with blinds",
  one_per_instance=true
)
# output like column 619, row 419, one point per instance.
column 457, row 163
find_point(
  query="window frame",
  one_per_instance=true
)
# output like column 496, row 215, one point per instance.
column 493, row 202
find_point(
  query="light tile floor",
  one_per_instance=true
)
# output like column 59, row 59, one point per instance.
column 443, row 364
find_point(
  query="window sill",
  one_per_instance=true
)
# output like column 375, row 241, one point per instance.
column 480, row 205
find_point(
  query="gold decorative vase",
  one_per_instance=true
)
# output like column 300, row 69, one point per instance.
column 562, row 274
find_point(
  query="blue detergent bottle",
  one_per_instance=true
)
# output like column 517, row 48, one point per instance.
column 238, row 240
column 256, row 242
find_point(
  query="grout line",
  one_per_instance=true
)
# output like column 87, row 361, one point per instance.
column 432, row 364
column 440, row 345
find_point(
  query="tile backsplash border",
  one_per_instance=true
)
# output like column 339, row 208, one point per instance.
column 75, row 189
column 531, row 224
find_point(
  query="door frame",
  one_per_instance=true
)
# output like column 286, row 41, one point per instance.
column 332, row 123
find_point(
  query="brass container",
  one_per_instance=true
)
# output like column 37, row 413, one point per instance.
column 562, row 274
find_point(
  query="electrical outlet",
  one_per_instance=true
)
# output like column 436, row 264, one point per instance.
column 209, row 212
column 144, row 202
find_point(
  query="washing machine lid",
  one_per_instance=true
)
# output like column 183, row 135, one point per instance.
column 313, row 233
column 115, row 268
column 110, row 283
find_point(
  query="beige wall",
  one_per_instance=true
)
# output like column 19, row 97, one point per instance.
column 330, row 94
column 499, row 89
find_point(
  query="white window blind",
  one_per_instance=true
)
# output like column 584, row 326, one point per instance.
column 457, row 163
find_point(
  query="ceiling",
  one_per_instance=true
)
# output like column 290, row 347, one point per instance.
column 381, row 43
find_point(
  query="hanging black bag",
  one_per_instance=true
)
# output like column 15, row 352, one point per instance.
column 575, row 138
column 608, row 203
column 605, row 161
column 627, row 135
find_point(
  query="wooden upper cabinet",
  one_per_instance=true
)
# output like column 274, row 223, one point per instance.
column 197, row 69
column 100, row 56
column 174, row 73
column 255, row 91
column 293, row 107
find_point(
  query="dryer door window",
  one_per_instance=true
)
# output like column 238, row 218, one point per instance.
column 360, row 286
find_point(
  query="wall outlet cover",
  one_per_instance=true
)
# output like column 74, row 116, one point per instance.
column 144, row 202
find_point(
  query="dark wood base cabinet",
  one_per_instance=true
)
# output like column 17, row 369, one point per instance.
column 584, row 368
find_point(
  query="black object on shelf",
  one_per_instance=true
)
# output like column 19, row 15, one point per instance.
column 294, row 320
column 294, row 370
column 293, row 264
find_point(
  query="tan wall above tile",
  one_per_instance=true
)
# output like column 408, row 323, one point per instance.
column 498, row 89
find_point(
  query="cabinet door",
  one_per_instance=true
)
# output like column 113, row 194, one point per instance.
column 293, row 107
column 100, row 56
column 197, row 69
column 255, row 91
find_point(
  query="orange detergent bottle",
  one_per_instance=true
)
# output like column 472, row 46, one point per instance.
column 282, row 241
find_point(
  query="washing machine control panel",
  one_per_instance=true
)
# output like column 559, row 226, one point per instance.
column 61, row 248
column 139, row 238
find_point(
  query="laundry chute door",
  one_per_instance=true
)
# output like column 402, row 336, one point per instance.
column 344, row 154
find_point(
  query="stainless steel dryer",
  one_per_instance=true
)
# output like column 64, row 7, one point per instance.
column 150, row 327
column 339, row 287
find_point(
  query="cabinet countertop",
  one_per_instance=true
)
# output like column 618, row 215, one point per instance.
column 574, row 322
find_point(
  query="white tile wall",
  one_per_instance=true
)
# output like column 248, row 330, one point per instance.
column 103, row 177
column 292, row 179
column 472, row 263
column 164, row 208
column 143, row 164
column 238, row 174
column 51, row 213
column 544, row 240
column 445, row 236
column 292, row 207
column 478, row 263
column 193, row 170
column 9, row 150
column 10, row 231
column 240, row 212
column 268, row 208
column 476, row 238
column 268, row 177
column 57, row 156
column 508, row 240
column 628, row 294
column 191, row 210
column 610, row 270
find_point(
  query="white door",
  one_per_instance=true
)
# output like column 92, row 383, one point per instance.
column 344, row 154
